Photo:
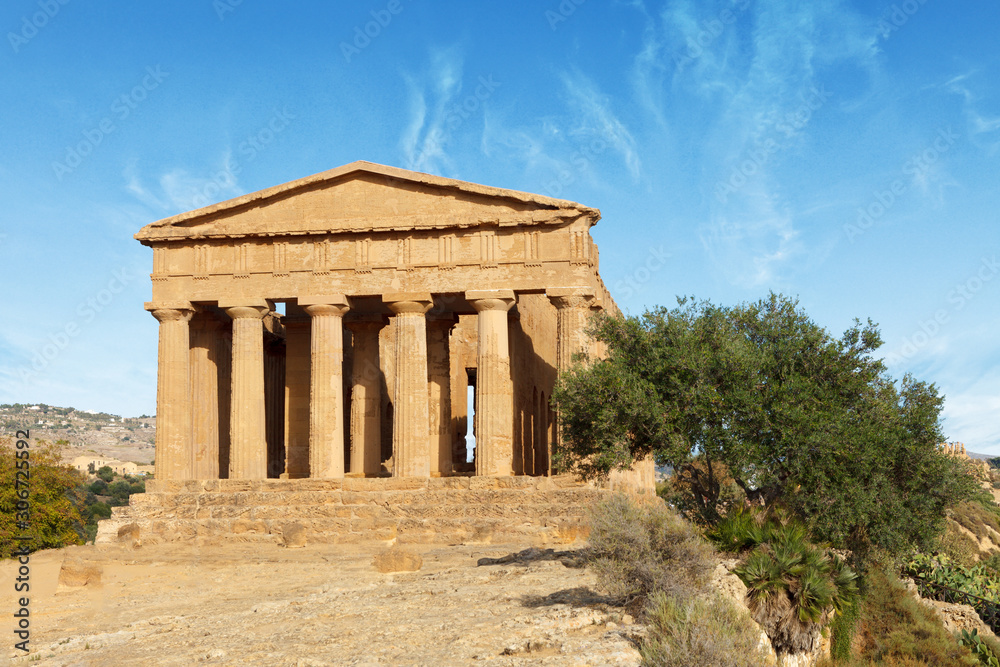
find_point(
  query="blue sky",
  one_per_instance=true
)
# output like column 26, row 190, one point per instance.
column 845, row 153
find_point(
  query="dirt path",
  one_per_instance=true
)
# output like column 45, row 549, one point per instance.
column 321, row 605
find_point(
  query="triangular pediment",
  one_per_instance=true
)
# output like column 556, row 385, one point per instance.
column 366, row 197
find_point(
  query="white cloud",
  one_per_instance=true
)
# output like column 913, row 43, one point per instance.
column 431, row 118
column 755, row 74
column 594, row 118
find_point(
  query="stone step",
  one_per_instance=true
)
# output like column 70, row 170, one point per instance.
column 352, row 498
column 441, row 510
column 358, row 511
column 439, row 530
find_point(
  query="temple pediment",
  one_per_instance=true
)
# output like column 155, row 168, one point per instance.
column 366, row 197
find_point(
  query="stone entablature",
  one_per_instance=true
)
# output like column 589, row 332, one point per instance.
column 399, row 291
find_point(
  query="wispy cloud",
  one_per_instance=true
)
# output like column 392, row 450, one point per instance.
column 983, row 127
column 178, row 189
column 594, row 117
column 756, row 74
column 431, row 95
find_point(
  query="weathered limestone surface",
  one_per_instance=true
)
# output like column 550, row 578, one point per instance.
column 262, row 604
column 411, row 428
column 173, row 398
column 541, row 510
column 248, row 448
column 484, row 290
column 366, row 401
column 326, row 402
column 494, row 391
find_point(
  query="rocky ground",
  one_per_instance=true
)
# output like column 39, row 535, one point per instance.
column 319, row 605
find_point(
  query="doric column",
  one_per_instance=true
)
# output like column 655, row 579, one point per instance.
column 173, row 391
column 439, row 392
column 205, row 396
column 248, row 445
column 410, row 421
column 366, row 395
column 297, row 387
column 494, row 388
column 573, row 306
column 326, row 395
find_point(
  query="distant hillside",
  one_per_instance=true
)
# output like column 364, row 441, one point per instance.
column 83, row 432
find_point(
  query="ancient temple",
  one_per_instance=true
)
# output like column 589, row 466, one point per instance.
column 348, row 323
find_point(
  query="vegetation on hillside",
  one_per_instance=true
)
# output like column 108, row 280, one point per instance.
column 761, row 397
column 659, row 565
column 46, row 509
column 796, row 451
column 62, row 506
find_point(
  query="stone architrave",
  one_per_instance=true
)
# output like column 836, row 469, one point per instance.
column 411, row 423
column 326, row 396
column 248, row 445
column 205, row 396
column 173, row 391
column 439, row 392
column 366, row 399
column 494, row 387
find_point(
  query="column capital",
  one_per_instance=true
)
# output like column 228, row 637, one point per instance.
column 326, row 309
column 571, row 297
column 500, row 299
column 247, row 312
column 170, row 311
column 408, row 302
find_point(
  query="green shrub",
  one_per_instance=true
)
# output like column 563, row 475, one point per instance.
column 843, row 628
column 979, row 648
column 894, row 628
column 98, row 487
column 106, row 473
column 639, row 549
column 699, row 632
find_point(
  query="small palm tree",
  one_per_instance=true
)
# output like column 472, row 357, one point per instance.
column 795, row 587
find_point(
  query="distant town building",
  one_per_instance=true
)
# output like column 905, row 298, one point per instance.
column 83, row 464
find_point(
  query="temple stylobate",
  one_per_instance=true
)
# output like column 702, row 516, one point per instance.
column 348, row 324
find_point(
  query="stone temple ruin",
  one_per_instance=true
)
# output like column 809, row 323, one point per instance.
column 323, row 343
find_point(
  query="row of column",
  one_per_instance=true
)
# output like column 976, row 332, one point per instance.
column 420, row 441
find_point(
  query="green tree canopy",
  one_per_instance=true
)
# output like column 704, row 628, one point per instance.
column 53, row 518
column 106, row 473
column 797, row 417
